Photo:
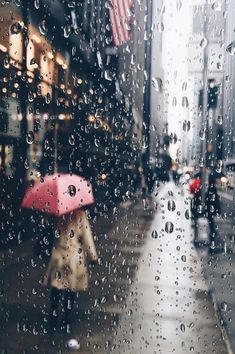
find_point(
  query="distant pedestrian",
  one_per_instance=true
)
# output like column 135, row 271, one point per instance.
column 212, row 206
column 67, row 271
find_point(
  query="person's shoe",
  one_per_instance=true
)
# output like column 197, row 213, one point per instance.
column 73, row 344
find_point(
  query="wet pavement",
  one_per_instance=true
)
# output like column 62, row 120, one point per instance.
column 219, row 267
column 147, row 295
column 170, row 309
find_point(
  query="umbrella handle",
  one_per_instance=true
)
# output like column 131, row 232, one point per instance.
column 56, row 147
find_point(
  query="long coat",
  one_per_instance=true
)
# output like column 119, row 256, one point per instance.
column 73, row 248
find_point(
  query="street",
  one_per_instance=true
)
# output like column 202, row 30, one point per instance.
column 147, row 295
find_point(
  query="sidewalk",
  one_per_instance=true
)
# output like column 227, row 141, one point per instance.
column 120, row 237
column 148, row 294
column 169, row 309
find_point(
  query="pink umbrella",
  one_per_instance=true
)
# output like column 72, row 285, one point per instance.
column 59, row 194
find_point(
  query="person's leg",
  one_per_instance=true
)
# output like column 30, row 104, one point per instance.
column 55, row 297
column 212, row 231
column 69, row 297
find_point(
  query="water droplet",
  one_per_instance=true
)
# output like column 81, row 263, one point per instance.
column 174, row 101
column 67, row 31
column 202, row 134
column 185, row 103
column 30, row 137
column 43, row 27
column 187, row 214
column 16, row 28
column 72, row 190
column 160, row 27
column 36, row 4
column 203, row 43
column 224, row 306
column 169, row 227
column 220, row 120
column 72, row 139
column 30, row 96
column 48, row 98
column 178, row 5
column 108, row 4
column 99, row 58
column 217, row 6
column 26, row 164
column 171, row 205
column 154, row 234
column 219, row 166
column 182, row 327
column 97, row 143
column 231, row 48
column 157, row 84
column 46, row 145
column 173, row 138
column 33, row 61
column 183, row 258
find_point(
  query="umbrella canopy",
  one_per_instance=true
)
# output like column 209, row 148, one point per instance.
column 59, row 194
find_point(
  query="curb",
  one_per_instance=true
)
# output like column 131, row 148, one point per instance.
column 218, row 315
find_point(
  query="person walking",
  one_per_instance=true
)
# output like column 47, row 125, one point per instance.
column 68, row 271
column 212, row 207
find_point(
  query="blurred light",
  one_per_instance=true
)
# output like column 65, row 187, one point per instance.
column 64, row 66
column 4, row 90
column 50, row 55
column 224, row 180
column 13, row 94
column 62, row 86
column 19, row 73
column 3, row 48
column 45, row 116
column 16, row 85
column 69, row 92
column 79, row 81
column 187, row 176
column 61, row 116
column 91, row 118
column 103, row 176
column 36, row 38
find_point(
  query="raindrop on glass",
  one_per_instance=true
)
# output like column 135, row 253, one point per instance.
column 169, row 227
column 154, row 234
column 30, row 137
column 171, row 205
column 72, row 190
column 16, row 28
column 203, row 43
column 231, row 48
column 43, row 27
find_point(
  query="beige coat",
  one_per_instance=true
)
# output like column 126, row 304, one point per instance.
column 73, row 248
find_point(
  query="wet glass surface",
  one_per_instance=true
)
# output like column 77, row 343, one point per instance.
column 117, row 176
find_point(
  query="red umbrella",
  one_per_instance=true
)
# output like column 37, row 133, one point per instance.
column 59, row 194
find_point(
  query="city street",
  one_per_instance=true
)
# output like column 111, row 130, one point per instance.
column 147, row 295
column 117, row 176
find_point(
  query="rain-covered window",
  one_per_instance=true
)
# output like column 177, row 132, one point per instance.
column 117, row 176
